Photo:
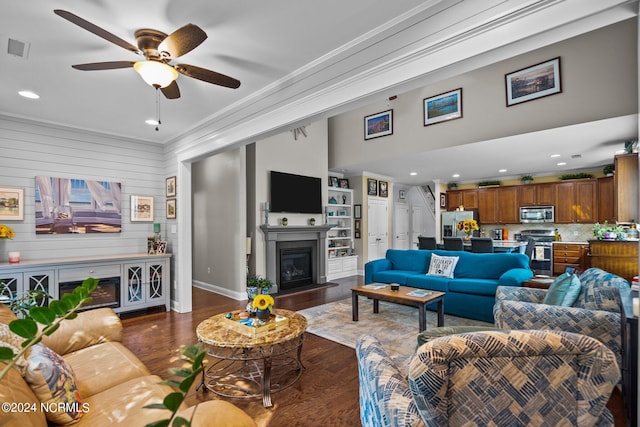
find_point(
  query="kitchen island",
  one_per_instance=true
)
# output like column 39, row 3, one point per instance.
column 499, row 246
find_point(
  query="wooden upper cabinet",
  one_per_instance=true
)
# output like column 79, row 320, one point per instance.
column 565, row 202
column 467, row 198
column 454, row 199
column 576, row 202
column 527, row 195
column 546, row 194
column 626, row 187
column 605, row 190
column 586, row 203
column 487, row 204
column 508, row 205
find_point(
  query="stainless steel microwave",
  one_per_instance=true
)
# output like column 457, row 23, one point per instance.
column 530, row 214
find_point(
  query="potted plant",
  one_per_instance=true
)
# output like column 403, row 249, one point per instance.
column 606, row 231
column 527, row 179
column 452, row 185
column 608, row 170
column 257, row 285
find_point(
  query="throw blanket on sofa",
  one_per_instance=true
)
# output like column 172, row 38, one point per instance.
column 470, row 292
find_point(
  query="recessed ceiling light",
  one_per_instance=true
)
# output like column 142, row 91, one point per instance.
column 28, row 94
column 561, row 163
column 455, row 175
column 413, row 173
column 554, row 155
column 502, row 170
column 152, row 122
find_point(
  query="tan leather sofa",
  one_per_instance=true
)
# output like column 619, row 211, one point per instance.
column 112, row 382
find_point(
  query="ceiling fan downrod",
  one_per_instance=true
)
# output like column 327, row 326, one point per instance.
column 158, row 108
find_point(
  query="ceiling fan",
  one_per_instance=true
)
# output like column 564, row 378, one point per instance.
column 158, row 50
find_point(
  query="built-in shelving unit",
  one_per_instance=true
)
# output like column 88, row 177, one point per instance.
column 339, row 215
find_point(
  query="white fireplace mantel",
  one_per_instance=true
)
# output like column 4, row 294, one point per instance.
column 291, row 233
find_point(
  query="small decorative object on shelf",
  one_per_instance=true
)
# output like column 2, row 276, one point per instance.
column 285, row 221
column 608, row 170
column 606, row 231
column 14, row 257
column 312, row 221
column 468, row 226
column 266, row 213
column 527, row 179
column 263, row 304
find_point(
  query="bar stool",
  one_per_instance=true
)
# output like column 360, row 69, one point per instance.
column 481, row 244
column 453, row 243
column 426, row 242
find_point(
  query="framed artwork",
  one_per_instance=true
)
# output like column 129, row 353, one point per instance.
column 402, row 194
column 533, row 82
column 170, row 185
column 372, row 187
column 443, row 107
column 11, row 204
column 443, row 200
column 357, row 211
column 379, row 124
column 77, row 206
column 356, row 229
column 333, row 181
column 344, row 183
column 171, row 208
column 383, row 189
column 142, row 208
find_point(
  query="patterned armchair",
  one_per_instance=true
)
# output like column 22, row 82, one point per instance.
column 514, row 378
column 596, row 313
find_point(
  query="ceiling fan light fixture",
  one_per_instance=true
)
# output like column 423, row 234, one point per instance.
column 156, row 74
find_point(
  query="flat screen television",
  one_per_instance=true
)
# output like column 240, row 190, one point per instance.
column 295, row 193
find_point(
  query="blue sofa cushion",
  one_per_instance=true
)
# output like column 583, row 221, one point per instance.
column 434, row 283
column 489, row 265
column 393, row 276
column 474, row 286
column 414, row 261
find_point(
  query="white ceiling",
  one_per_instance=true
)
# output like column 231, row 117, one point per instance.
column 265, row 44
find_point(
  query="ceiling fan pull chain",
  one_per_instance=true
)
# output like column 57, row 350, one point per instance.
column 158, row 109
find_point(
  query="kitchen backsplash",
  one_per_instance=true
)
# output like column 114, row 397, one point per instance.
column 568, row 232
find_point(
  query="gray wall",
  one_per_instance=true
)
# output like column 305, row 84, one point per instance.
column 30, row 149
column 599, row 80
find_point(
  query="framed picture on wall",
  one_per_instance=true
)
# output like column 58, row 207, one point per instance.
column 379, row 124
column 333, row 181
column 11, row 204
column 357, row 211
column 142, row 208
column 443, row 107
column 533, row 82
column 383, row 189
column 372, row 187
column 171, row 208
column 356, row 229
column 443, row 200
column 170, row 184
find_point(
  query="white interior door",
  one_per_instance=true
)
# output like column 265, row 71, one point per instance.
column 377, row 229
column 418, row 224
column 401, row 228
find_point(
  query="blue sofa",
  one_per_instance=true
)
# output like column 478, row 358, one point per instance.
column 472, row 291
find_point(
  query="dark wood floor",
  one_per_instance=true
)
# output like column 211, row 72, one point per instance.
column 325, row 395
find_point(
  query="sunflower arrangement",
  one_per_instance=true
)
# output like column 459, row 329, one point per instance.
column 6, row 232
column 263, row 302
column 468, row 225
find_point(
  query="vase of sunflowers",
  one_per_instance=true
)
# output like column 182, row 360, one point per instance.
column 263, row 305
column 468, row 226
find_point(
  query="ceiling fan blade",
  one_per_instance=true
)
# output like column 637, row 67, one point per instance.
column 96, row 30
column 207, row 76
column 96, row 66
column 182, row 40
column 172, row 91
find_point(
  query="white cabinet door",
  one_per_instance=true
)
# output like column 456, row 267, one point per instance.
column 377, row 229
column 401, row 228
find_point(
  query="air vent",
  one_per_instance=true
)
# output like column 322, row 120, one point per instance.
column 576, row 156
column 18, row 48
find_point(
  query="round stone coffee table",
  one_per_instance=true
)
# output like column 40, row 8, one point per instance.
column 242, row 366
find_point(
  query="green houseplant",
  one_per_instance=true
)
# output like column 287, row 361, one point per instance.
column 608, row 170
column 606, row 231
column 527, row 179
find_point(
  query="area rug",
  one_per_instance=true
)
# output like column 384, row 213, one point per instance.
column 396, row 326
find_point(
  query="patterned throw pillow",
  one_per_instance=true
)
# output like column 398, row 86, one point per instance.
column 442, row 265
column 563, row 291
column 14, row 342
column 54, row 383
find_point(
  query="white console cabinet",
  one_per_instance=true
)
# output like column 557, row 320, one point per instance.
column 144, row 279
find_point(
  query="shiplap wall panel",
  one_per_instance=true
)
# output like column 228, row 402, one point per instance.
column 29, row 149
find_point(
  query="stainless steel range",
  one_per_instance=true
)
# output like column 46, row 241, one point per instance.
column 542, row 256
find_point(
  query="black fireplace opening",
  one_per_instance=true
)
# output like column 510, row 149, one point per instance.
column 106, row 294
column 296, row 265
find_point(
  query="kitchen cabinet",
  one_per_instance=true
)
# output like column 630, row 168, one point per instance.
column 569, row 255
column 499, row 205
column 626, row 187
column 619, row 257
column 467, row 198
column 145, row 284
column 527, row 195
column 537, row 194
column 576, row 202
column 605, row 190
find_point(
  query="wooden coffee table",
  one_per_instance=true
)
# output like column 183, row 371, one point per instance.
column 399, row 297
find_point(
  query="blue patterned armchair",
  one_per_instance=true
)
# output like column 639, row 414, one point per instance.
column 596, row 313
column 514, row 378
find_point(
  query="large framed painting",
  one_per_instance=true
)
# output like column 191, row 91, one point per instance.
column 379, row 124
column 142, row 208
column 77, row 206
column 533, row 82
column 11, row 204
column 443, row 107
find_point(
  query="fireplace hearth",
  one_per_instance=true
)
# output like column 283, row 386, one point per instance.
column 295, row 264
